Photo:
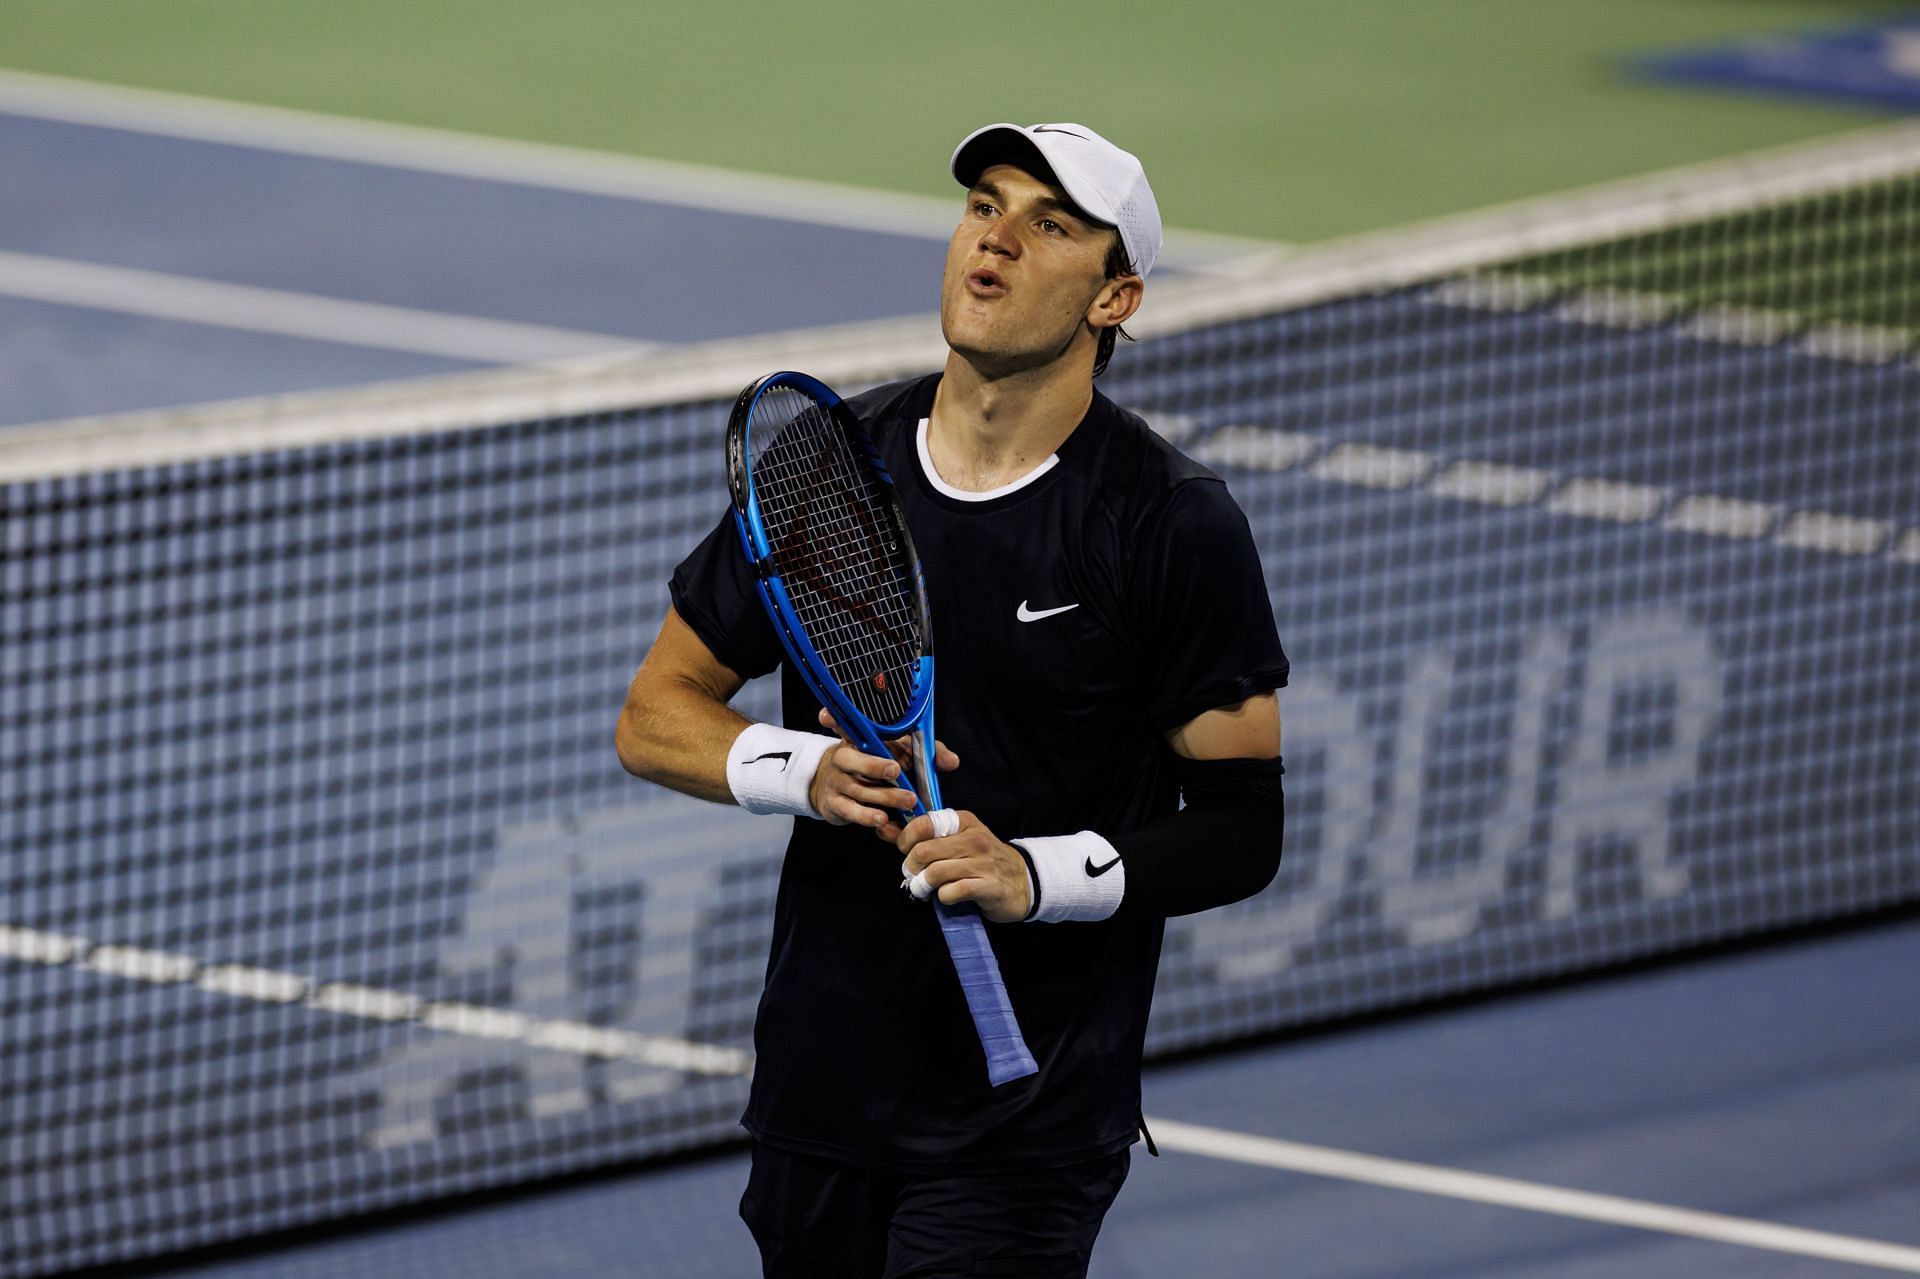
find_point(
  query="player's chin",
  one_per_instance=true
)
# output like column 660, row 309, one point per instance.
column 969, row 332
column 994, row 352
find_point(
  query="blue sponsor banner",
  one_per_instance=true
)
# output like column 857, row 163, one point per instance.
column 1876, row 65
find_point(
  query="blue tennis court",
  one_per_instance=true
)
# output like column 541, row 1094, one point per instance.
column 1602, row 653
column 1774, row 1085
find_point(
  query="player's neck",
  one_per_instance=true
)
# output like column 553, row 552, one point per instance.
column 986, row 432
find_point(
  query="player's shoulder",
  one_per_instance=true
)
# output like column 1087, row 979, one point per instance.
column 892, row 405
column 1142, row 473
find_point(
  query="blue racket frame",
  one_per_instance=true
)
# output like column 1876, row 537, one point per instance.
column 1008, row 1057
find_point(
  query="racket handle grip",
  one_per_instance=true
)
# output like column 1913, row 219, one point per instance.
column 1008, row 1057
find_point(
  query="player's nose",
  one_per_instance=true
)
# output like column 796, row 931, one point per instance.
column 998, row 236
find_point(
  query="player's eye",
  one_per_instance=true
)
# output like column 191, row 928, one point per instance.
column 983, row 209
column 1051, row 227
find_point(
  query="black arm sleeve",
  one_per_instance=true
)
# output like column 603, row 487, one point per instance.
column 1223, row 846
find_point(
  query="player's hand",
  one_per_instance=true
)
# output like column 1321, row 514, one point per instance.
column 853, row 788
column 970, row 865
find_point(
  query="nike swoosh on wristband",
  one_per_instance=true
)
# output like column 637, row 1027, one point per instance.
column 1026, row 614
column 1095, row 872
column 785, row 758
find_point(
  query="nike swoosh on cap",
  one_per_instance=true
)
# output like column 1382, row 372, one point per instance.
column 1026, row 614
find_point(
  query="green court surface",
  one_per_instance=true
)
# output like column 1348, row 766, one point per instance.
column 1288, row 121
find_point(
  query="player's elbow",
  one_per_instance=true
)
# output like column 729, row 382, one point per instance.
column 637, row 735
column 629, row 746
column 628, row 743
column 1262, row 863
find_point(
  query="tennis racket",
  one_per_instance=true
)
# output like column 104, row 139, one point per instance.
column 837, row 573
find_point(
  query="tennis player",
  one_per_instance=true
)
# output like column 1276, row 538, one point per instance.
column 1106, row 651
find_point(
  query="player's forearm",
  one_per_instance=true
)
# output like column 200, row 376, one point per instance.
column 676, row 733
column 1222, row 847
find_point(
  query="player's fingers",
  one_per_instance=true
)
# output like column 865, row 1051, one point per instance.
column 882, row 799
column 924, row 881
column 913, row 832
column 941, row 823
column 943, row 758
column 921, row 883
column 870, row 769
column 955, row 891
column 844, row 810
column 827, row 722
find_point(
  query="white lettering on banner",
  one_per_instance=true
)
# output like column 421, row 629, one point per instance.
column 1429, row 905
column 594, row 920
column 1601, row 796
column 1460, row 794
column 1615, row 782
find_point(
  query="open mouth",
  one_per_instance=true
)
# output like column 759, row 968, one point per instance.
column 985, row 283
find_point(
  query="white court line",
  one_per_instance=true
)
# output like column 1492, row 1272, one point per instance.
column 1491, row 483
column 541, row 165
column 371, row 1003
column 1618, row 501
column 1641, row 309
column 1507, row 1192
column 159, row 295
column 1721, row 516
column 1834, row 534
column 1616, row 308
column 1253, row 447
column 1375, row 466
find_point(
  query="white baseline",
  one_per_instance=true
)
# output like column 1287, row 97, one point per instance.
column 535, row 164
column 1507, row 1192
column 163, row 296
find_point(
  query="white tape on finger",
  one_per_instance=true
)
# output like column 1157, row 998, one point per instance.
column 915, row 882
column 945, row 822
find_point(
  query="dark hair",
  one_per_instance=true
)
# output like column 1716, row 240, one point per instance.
column 1117, row 265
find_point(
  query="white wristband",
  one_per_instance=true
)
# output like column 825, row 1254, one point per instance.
column 770, row 769
column 1077, row 877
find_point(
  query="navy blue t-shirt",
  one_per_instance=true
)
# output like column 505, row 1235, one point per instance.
column 1077, row 617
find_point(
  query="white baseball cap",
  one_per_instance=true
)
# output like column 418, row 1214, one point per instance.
column 1107, row 183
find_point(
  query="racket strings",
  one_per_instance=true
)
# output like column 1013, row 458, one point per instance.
column 835, row 545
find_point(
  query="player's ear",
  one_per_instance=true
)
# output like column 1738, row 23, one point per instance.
column 1116, row 302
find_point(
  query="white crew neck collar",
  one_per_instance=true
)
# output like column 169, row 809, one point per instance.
column 962, row 495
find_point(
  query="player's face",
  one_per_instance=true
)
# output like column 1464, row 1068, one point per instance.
column 1023, row 270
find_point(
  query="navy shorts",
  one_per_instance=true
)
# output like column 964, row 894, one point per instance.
column 816, row 1217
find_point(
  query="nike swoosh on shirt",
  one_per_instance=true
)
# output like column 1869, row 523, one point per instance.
column 1026, row 614
column 1095, row 872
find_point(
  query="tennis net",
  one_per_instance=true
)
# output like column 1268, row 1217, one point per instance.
column 1593, row 530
